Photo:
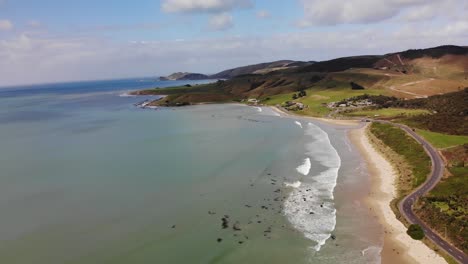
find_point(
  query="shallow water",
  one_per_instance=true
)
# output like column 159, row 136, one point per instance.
column 86, row 177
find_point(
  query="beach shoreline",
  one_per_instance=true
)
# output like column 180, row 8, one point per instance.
column 398, row 247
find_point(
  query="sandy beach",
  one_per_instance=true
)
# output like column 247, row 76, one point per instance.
column 398, row 246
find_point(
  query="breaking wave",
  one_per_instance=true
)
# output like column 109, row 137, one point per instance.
column 305, row 167
column 310, row 207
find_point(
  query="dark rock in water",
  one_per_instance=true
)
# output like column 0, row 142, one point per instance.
column 277, row 190
column 311, row 213
column 321, row 205
column 240, row 242
column 225, row 222
column 173, row 226
column 259, row 221
column 211, row 213
column 236, row 226
column 333, row 237
column 269, row 173
column 248, row 206
column 219, row 240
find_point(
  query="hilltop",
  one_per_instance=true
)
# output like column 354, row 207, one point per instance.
column 261, row 68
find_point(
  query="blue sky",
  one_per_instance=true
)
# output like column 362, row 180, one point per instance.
column 60, row 40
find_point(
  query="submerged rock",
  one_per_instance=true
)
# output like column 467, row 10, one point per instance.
column 225, row 223
column 236, row 226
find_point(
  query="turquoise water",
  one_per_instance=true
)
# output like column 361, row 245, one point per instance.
column 86, row 177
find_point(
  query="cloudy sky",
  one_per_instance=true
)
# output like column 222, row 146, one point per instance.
column 61, row 40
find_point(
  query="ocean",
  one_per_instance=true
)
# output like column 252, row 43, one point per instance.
column 87, row 177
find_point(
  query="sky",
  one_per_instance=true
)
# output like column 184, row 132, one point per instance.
column 61, row 40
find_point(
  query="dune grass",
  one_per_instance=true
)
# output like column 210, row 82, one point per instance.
column 407, row 147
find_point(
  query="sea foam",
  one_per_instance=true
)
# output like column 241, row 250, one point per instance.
column 295, row 184
column 298, row 123
column 305, row 167
column 310, row 207
column 259, row 109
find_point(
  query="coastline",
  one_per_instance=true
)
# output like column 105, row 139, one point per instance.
column 398, row 247
column 348, row 123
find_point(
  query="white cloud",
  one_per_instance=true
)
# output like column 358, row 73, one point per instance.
column 221, row 21
column 207, row 6
column 334, row 12
column 263, row 14
column 33, row 59
column 5, row 25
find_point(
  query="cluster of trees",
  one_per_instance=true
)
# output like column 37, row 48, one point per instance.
column 300, row 94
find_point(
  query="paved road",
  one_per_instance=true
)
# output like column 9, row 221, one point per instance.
column 406, row 205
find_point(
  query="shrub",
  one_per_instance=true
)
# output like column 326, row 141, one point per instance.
column 415, row 232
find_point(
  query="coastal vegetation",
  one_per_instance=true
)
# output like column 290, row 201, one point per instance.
column 415, row 232
column 405, row 146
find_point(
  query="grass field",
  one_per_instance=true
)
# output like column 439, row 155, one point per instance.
column 277, row 99
column 440, row 140
column 388, row 112
column 407, row 147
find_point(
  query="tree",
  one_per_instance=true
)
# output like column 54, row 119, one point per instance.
column 415, row 232
column 302, row 93
column 294, row 97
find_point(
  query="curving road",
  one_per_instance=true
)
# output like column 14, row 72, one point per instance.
column 406, row 205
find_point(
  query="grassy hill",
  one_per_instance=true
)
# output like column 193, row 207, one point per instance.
column 408, row 74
